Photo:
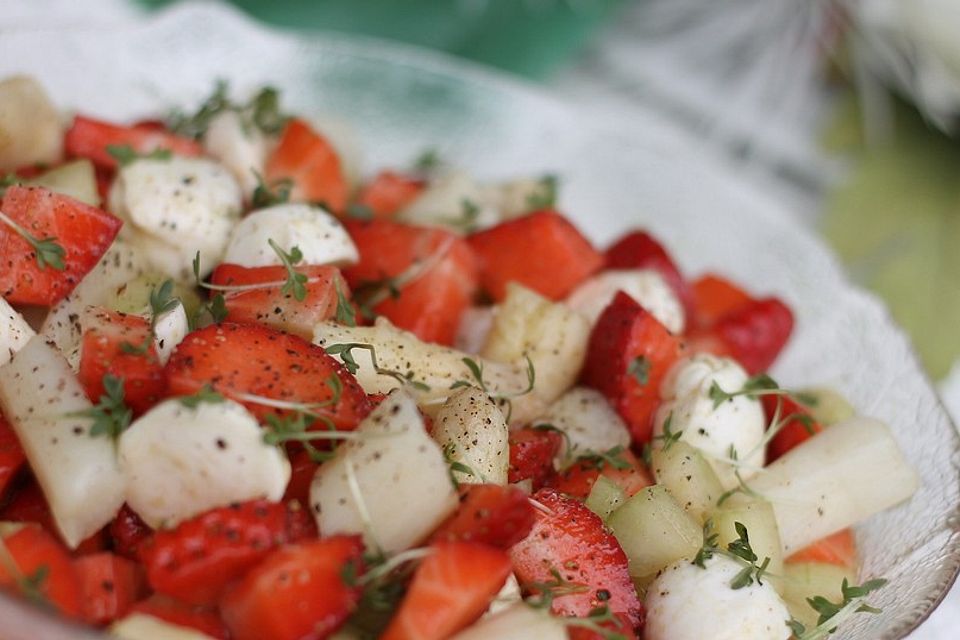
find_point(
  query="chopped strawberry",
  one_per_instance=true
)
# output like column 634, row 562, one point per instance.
column 839, row 549
column 28, row 504
column 270, row 306
column 61, row 224
column 301, row 524
column 573, row 541
column 297, row 592
column 203, row 619
column 715, row 297
column 302, row 470
column 197, row 559
column 490, row 514
column 89, row 138
column 389, row 192
column 799, row 428
column 109, row 585
column 451, row 588
column 541, row 251
column 307, row 159
column 640, row 250
column 531, row 455
column 45, row 569
column 12, row 456
column 128, row 532
column 578, row 480
column 618, row 629
column 246, row 359
column 753, row 334
column 121, row 345
column 625, row 335
column 421, row 278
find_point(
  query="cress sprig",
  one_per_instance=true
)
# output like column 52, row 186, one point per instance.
column 47, row 250
column 832, row 614
column 739, row 550
column 111, row 416
column 345, row 351
column 126, row 155
column 296, row 283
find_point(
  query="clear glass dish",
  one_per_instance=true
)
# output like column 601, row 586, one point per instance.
column 399, row 100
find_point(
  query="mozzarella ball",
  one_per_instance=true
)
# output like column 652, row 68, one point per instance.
column 687, row 602
column 239, row 147
column 14, row 332
column 738, row 422
column 646, row 286
column 319, row 236
column 180, row 461
column 170, row 329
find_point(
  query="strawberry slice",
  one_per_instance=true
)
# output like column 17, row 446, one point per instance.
column 799, row 428
column 12, row 456
column 271, row 307
column 421, row 278
column 541, row 251
column 451, row 588
column 489, row 514
column 128, row 532
column 307, row 159
column 109, row 585
column 578, row 480
column 237, row 359
column 531, row 455
column 121, row 345
column 715, row 297
column 573, row 541
column 389, row 192
column 83, row 234
column 206, row 620
column 628, row 356
column 297, row 592
column 46, row 571
column 839, row 549
column 89, row 138
column 752, row 334
column 195, row 561
column 302, row 470
column 640, row 250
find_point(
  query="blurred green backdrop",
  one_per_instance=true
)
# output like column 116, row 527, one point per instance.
column 528, row 37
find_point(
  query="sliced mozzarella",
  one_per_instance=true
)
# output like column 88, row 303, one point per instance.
column 14, row 332
column 646, row 286
column 589, row 421
column 518, row 622
column 77, row 471
column 390, row 483
column 319, row 236
column 471, row 429
column 141, row 626
column 687, row 602
column 180, row 461
column 31, row 131
column 169, row 330
column 238, row 146
column 737, row 424
column 453, row 200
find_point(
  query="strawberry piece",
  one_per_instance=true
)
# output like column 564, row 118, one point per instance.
column 45, row 568
column 271, row 307
column 488, row 514
column 389, row 192
column 753, row 334
column 238, row 359
column 715, row 297
column 128, row 532
column 451, row 588
column 531, row 455
column 839, row 549
column 302, row 470
column 625, row 332
column 83, row 232
column 12, row 456
column 195, row 561
column 619, row 629
column 640, row 250
column 114, row 344
column 297, row 592
column 307, row 159
column 203, row 619
column 109, row 585
column 573, row 541
column 541, row 251
column 89, row 138
column 578, row 480
column 799, row 428
column 421, row 278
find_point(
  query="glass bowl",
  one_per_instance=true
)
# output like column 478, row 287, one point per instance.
column 400, row 100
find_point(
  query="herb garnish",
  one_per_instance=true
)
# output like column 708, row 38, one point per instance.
column 161, row 302
column 834, row 613
column 546, row 196
column 345, row 351
column 591, row 459
column 296, row 283
column 739, row 550
column 345, row 312
column 111, row 416
column 262, row 111
column 476, row 371
column 47, row 250
column 125, row 155
column 205, row 394
column 265, row 195
column 639, row 368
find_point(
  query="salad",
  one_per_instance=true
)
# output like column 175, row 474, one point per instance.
column 247, row 392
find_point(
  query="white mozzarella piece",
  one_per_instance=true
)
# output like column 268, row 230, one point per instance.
column 319, row 236
column 170, row 329
column 77, row 472
column 14, row 332
column 738, row 423
column 687, row 602
column 589, row 421
column 239, row 147
column 646, row 286
column 180, row 461
column 471, row 429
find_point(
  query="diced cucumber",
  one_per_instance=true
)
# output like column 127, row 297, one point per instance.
column 804, row 580
column 75, row 179
column 605, row 497
column 758, row 517
column 683, row 470
column 829, row 406
column 134, row 296
column 655, row 531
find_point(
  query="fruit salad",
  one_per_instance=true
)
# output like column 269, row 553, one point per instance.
column 248, row 391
